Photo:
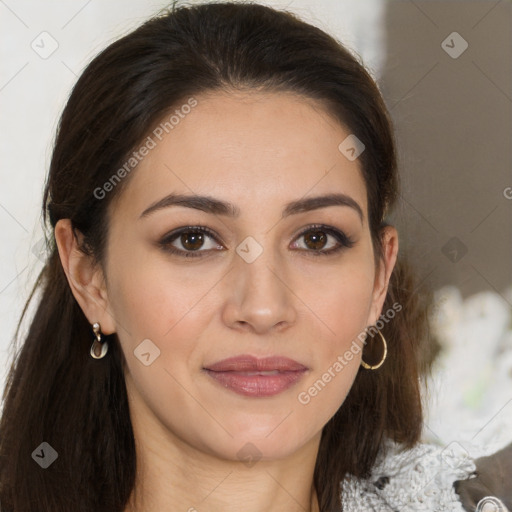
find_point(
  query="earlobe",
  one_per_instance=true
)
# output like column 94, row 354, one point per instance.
column 84, row 277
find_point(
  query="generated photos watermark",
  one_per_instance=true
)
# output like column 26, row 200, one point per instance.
column 304, row 397
column 150, row 142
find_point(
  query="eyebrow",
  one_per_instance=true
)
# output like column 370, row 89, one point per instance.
column 214, row 206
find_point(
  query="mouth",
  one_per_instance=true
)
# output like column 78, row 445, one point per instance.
column 256, row 377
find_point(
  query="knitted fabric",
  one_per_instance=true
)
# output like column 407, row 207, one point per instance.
column 406, row 480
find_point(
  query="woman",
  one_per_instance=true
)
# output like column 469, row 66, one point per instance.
column 223, row 322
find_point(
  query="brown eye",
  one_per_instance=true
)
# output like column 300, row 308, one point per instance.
column 190, row 241
column 315, row 240
column 317, row 237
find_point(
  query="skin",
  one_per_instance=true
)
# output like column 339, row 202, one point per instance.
column 252, row 149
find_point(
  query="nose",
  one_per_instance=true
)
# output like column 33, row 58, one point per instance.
column 258, row 297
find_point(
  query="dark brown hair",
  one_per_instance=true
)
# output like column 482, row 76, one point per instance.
column 55, row 391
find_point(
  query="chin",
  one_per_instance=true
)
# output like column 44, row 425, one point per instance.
column 273, row 437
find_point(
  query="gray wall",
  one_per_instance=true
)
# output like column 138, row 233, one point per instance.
column 454, row 130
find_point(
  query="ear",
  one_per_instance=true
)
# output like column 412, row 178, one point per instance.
column 383, row 273
column 85, row 278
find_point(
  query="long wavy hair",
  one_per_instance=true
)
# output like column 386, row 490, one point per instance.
column 55, row 392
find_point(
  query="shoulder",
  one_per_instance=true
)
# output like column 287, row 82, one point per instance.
column 416, row 479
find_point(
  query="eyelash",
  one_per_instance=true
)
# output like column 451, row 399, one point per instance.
column 345, row 241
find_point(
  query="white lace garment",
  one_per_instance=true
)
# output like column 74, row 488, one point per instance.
column 419, row 479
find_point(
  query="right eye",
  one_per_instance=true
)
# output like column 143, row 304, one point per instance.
column 191, row 239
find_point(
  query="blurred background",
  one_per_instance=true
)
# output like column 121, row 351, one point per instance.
column 445, row 70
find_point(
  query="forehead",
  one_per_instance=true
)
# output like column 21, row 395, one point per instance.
column 249, row 148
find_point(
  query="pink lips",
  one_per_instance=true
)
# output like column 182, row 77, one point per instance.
column 251, row 376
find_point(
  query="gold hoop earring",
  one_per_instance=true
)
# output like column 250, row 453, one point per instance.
column 99, row 347
column 379, row 364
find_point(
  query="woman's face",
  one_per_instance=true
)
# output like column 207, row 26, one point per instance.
column 256, row 285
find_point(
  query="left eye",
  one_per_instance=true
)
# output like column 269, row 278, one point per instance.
column 316, row 236
column 192, row 240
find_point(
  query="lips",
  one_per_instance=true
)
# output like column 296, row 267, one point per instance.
column 257, row 377
column 248, row 363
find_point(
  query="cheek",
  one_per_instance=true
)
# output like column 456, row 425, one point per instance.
column 154, row 297
column 161, row 313
column 339, row 298
column 169, row 306
column 341, row 308
column 346, row 303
